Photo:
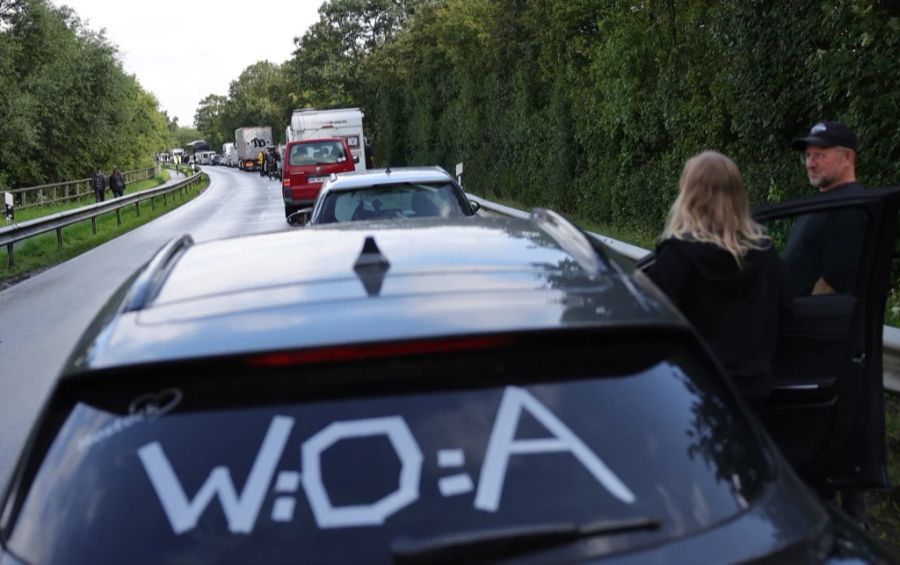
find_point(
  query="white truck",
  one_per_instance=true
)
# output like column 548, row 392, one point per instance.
column 229, row 154
column 248, row 142
column 343, row 122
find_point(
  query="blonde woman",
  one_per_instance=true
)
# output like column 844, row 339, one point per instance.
column 721, row 270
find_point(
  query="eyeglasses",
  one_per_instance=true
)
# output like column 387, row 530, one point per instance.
column 814, row 157
column 818, row 156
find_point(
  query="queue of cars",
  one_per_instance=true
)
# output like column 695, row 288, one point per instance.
column 442, row 387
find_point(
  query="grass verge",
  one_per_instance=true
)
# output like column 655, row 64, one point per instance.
column 38, row 253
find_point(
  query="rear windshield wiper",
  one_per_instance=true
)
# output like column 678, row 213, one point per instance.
column 497, row 542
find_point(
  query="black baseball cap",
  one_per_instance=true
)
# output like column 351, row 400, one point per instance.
column 828, row 134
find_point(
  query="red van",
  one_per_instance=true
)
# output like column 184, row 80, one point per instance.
column 307, row 164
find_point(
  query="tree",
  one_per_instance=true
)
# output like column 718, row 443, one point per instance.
column 208, row 119
column 66, row 104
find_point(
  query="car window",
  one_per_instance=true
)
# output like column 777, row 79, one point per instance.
column 334, row 462
column 393, row 201
column 316, row 152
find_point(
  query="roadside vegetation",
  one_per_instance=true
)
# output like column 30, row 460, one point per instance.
column 41, row 252
column 67, row 105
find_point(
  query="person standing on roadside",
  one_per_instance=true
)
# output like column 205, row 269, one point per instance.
column 823, row 249
column 117, row 183
column 98, row 183
column 723, row 273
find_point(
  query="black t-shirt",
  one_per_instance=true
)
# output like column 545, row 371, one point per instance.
column 826, row 245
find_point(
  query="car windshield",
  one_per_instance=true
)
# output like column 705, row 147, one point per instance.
column 336, row 462
column 405, row 200
column 316, row 153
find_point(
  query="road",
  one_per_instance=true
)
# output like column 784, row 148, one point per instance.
column 43, row 316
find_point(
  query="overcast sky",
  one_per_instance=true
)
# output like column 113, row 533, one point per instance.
column 182, row 51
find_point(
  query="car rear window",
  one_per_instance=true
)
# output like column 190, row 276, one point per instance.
column 406, row 200
column 239, row 462
column 316, row 153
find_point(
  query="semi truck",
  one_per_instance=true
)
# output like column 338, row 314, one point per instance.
column 346, row 123
column 249, row 141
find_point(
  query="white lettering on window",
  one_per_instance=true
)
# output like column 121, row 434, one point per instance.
column 330, row 516
column 240, row 511
column 502, row 444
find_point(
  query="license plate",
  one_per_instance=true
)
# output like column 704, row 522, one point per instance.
column 316, row 179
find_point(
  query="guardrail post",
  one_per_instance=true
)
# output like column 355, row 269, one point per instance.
column 59, row 237
column 165, row 200
column 94, row 225
column 137, row 209
column 152, row 203
column 9, row 255
column 118, row 217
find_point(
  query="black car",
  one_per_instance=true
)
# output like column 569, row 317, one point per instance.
column 447, row 390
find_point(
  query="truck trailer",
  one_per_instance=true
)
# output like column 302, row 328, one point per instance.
column 346, row 123
column 248, row 142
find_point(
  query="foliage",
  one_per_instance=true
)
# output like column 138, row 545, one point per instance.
column 183, row 136
column 66, row 104
column 208, row 120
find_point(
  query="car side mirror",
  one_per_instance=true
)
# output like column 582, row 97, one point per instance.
column 356, row 158
column 475, row 206
column 300, row 217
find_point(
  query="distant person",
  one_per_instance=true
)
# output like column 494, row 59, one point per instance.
column 98, row 183
column 721, row 270
column 368, row 149
column 823, row 249
column 261, row 158
column 117, row 183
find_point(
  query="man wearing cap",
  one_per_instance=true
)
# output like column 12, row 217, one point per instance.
column 823, row 249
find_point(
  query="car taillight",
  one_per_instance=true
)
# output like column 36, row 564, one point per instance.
column 286, row 182
column 376, row 351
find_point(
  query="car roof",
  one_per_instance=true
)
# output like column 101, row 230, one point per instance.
column 352, row 180
column 366, row 282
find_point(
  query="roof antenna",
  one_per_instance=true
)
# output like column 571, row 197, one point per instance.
column 371, row 266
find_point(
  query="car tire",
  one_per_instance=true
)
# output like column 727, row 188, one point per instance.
column 288, row 210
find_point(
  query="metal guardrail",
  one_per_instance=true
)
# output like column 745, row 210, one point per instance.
column 15, row 233
column 891, row 339
column 33, row 196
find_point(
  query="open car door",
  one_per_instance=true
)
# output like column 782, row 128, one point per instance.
column 826, row 410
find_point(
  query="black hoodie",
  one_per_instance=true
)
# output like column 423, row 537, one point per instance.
column 738, row 309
